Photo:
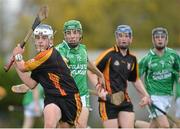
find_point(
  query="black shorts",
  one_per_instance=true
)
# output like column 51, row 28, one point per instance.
column 70, row 107
column 111, row 111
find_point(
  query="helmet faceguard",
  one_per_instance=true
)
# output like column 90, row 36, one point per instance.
column 160, row 31
column 72, row 25
column 44, row 29
column 124, row 29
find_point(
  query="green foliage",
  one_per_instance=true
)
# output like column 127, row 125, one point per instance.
column 99, row 19
column 6, row 81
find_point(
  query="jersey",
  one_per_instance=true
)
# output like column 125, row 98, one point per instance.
column 117, row 69
column 77, row 59
column 159, row 71
column 49, row 69
column 177, row 84
column 28, row 97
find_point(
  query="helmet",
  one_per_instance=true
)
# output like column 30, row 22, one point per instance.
column 159, row 31
column 44, row 29
column 124, row 29
column 72, row 24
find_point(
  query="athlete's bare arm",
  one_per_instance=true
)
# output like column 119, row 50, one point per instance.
column 96, row 71
column 27, row 80
column 145, row 99
column 20, row 68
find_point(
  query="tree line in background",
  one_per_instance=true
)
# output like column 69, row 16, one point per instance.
column 100, row 18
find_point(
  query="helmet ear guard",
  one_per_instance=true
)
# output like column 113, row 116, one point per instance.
column 44, row 29
column 124, row 29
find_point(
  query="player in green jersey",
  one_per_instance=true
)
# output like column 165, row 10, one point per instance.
column 76, row 57
column 177, row 102
column 159, row 67
column 33, row 104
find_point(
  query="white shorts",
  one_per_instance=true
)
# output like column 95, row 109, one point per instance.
column 178, row 108
column 29, row 109
column 162, row 102
column 85, row 101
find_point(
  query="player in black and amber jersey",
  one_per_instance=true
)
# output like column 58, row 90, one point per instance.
column 62, row 100
column 119, row 66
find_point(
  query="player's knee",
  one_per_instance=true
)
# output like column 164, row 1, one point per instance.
column 164, row 125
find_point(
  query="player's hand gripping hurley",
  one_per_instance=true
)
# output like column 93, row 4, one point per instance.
column 42, row 14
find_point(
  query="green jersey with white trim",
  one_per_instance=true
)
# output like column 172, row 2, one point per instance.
column 177, row 85
column 77, row 59
column 160, row 71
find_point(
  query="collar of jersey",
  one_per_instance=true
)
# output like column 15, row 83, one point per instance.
column 153, row 52
column 116, row 48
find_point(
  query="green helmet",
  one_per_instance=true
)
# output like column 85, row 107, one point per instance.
column 72, row 24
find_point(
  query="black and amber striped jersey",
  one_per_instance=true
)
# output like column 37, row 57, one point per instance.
column 49, row 69
column 117, row 69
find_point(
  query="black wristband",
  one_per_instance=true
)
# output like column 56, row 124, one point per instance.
column 108, row 98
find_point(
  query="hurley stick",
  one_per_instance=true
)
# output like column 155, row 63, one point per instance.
column 42, row 14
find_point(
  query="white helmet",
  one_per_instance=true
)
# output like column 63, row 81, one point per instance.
column 44, row 29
